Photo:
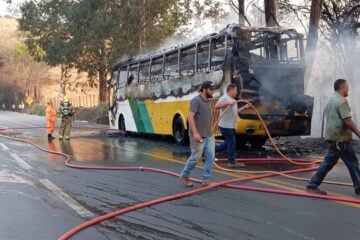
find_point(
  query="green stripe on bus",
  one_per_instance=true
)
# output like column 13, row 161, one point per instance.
column 145, row 117
column 141, row 116
column 137, row 116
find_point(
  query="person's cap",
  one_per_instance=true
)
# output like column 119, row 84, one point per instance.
column 66, row 98
column 206, row 85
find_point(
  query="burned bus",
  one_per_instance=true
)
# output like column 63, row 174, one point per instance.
column 151, row 94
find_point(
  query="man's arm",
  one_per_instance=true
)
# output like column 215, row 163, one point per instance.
column 247, row 106
column 192, row 125
column 221, row 105
column 350, row 123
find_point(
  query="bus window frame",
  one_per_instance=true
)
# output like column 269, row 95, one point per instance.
column 171, row 54
column 209, row 55
column 196, row 57
column 132, row 66
column 190, row 52
column 156, row 61
column 179, row 62
column 142, row 69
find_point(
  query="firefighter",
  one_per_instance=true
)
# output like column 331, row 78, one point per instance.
column 50, row 119
column 66, row 110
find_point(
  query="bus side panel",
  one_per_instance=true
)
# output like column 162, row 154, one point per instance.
column 126, row 111
column 162, row 113
column 141, row 116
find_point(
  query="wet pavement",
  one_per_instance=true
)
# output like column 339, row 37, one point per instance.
column 42, row 198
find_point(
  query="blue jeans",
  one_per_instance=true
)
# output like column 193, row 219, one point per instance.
column 229, row 143
column 334, row 150
column 207, row 146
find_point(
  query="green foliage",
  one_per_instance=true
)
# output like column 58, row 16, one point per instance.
column 36, row 109
column 91, row 35
column 45, row 25
column 102, row 114
column 21, row 50
column 97, row 114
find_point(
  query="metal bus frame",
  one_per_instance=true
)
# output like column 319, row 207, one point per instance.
column 260, row 61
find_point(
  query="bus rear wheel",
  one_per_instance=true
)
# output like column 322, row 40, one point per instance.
column 179, row 132
column 122, row 127
column 257, row 142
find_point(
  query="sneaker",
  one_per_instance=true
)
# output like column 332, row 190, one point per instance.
column 186, row 181
column 67, row 137
column 206, row 183
column 315, row 190
column 60, row 137
column 236, row 165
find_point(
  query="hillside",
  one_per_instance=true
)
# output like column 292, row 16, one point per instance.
column 10, row 39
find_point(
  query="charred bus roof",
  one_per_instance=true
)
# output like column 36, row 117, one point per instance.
column 255, row 35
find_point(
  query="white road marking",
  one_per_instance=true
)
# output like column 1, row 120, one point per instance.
column 6, row 176
column 21, row 162
column 72, row 203
column 4, row 147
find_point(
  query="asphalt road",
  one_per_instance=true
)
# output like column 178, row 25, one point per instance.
column 42, row 199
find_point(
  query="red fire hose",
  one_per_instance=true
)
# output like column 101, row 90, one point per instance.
column 226, row 183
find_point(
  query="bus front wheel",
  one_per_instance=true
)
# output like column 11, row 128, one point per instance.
column 179, row 132
column 257, row 142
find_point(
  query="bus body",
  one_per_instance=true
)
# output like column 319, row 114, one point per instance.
column 151, row 94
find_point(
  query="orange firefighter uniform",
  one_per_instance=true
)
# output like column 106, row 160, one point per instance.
column 50, row 119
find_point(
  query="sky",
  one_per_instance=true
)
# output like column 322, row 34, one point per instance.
column 4, row 6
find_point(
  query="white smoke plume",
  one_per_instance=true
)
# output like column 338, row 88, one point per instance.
column 331, row 63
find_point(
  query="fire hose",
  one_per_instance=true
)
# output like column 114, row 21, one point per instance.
column 273, row 143
column 226, row 183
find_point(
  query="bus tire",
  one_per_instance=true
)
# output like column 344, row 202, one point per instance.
column 122, row 127
column 180, row 134
column 257, row 142
column 241, row 141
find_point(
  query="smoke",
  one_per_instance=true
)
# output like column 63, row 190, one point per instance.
column 333, row 61
column 195, row 30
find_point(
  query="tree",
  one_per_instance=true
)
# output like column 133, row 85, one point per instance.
column 270, row 13
column 239, row 7
column 27, row 73
column 91, row 35
column 315, row 11
column 341, row 22
column 46, row 33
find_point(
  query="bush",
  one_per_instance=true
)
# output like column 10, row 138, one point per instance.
column 97, row 114
column 36, row 109
column 102, row 114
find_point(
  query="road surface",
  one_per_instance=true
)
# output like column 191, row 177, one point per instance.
column 41, row 198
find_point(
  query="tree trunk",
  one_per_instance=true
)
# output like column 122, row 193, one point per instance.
column 35, row 92
column 241, row 12
column 270, row 13
column 142, row 33
column 62, row 79
column 316, row 6
column 103, row 89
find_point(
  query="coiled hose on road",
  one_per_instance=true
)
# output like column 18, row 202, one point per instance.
column 226, row 183
column 273, row 143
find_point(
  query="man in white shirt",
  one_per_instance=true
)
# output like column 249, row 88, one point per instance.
column 227, row 124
